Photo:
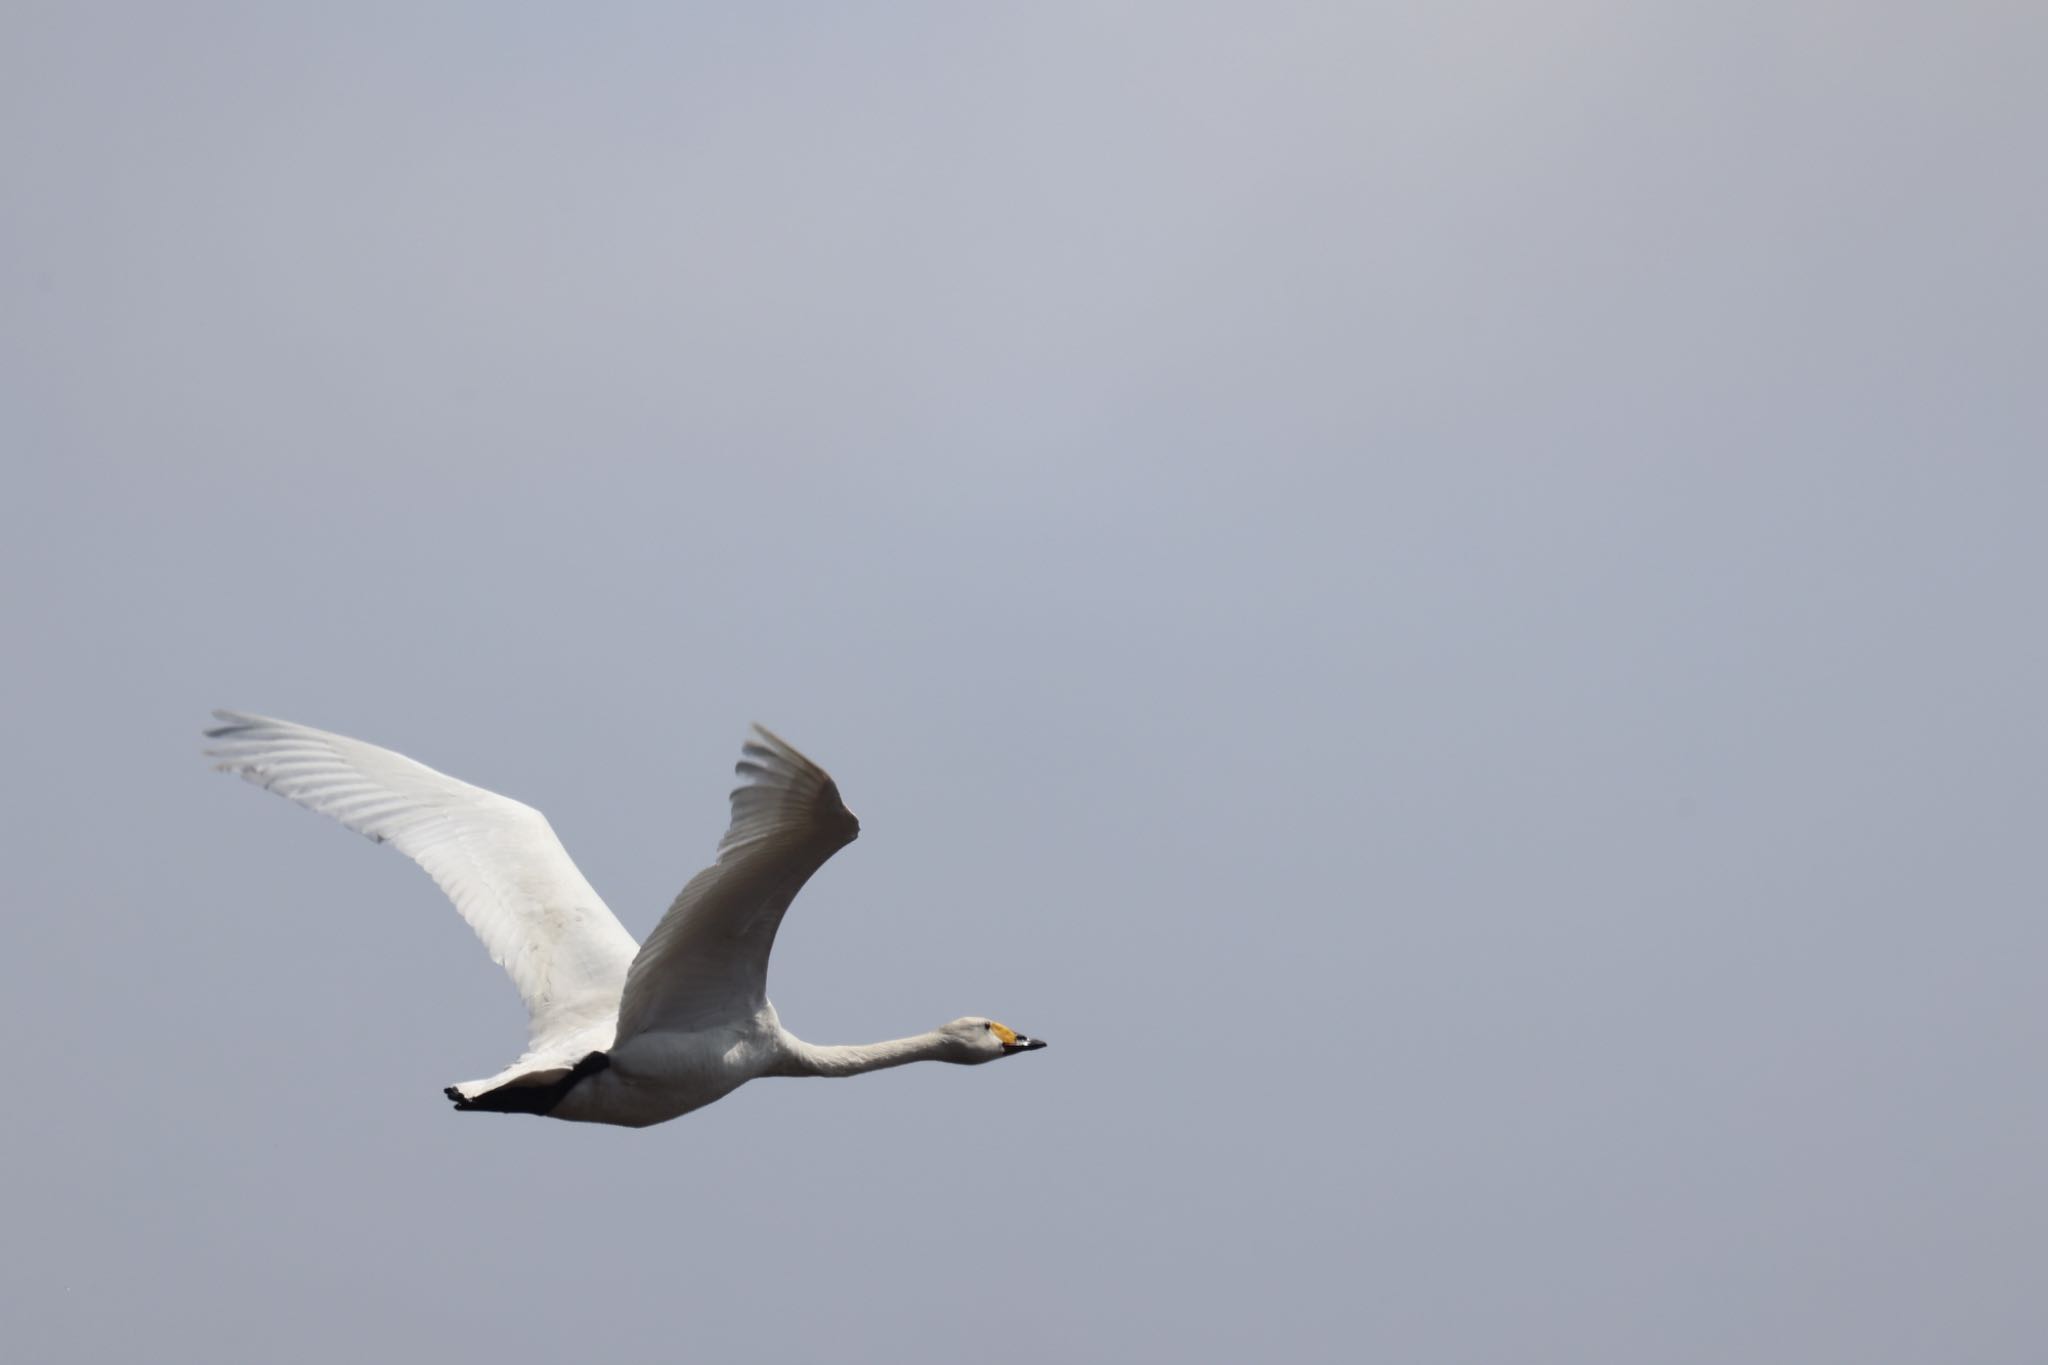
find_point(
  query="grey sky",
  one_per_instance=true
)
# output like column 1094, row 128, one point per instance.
column 1448, row 599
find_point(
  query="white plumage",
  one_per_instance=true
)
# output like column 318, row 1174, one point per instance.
column 619, row 1033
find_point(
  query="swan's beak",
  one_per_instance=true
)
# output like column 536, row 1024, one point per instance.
column 1023, row 1044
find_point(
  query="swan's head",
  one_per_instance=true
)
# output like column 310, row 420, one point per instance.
column 983, row 1040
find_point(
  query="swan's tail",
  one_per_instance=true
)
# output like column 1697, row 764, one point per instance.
column 529, row 1097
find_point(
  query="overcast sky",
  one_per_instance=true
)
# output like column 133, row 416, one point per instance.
column 1448, row 599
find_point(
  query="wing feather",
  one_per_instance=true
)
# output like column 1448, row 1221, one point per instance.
column 497, row 859
column 707, row 960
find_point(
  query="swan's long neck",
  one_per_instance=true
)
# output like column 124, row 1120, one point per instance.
column 808, row 1059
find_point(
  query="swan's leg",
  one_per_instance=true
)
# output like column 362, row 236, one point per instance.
column 531, row 1099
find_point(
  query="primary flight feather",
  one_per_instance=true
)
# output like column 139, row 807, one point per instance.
column 618, row 1033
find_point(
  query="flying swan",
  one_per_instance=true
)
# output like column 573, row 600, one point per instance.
column 622, row 1033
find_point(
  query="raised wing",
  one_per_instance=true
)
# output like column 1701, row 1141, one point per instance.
column 497, row 859
column 707, row 961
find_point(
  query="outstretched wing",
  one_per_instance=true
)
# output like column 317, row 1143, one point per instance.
column 707, row 961
column 497, row 859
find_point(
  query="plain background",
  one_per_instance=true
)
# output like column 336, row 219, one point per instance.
column 1448, row 599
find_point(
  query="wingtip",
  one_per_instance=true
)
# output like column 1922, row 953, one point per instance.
column 231, row 722
column 762, row 742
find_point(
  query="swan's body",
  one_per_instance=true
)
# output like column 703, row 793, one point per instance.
column 619, row 1033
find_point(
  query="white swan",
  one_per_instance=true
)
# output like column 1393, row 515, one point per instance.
column 623, row 1034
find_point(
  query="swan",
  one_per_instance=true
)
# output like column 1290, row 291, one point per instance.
column 619, row 1033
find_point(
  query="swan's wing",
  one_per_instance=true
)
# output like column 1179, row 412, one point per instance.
column 707, row 961
column 497, row 859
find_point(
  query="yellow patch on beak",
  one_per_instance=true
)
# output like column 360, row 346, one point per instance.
column 1009, row 1038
